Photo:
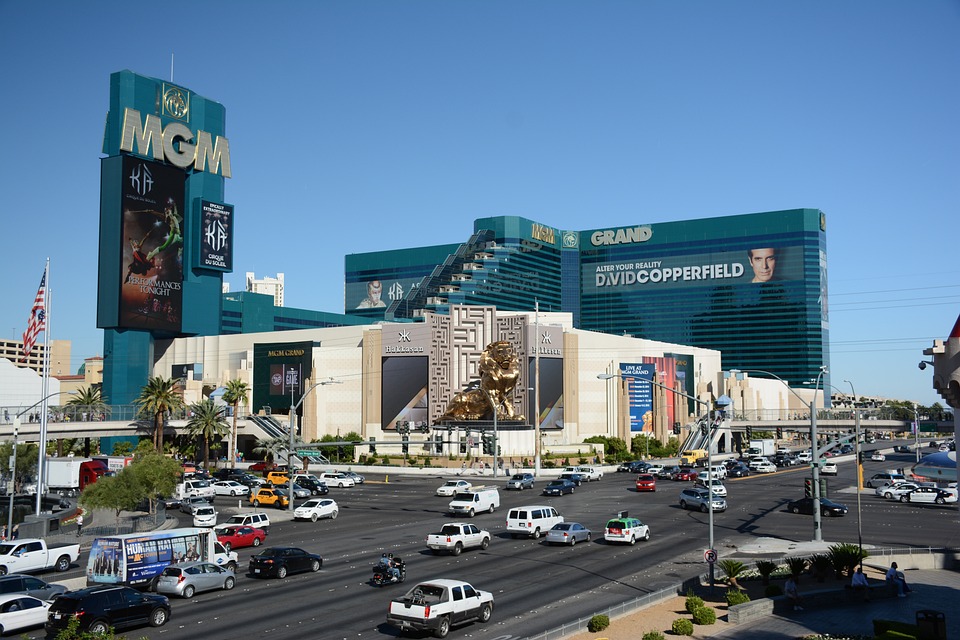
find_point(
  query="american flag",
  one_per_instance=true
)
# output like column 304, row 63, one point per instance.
column 38, row 319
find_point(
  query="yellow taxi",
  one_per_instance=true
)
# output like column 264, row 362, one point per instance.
column 268, row 497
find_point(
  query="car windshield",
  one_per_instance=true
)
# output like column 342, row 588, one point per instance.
column 563, row 526
column 309, row 504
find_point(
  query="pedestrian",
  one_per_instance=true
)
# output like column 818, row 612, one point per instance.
column 860, row 585
column 16, row 532
column 793, row 592
column 895, row 578
column 3, row 533
column 79, row 524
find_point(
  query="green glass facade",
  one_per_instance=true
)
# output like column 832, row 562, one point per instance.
column 246, row 312
column 690, row 282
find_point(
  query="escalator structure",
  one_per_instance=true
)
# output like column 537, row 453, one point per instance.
column 431, row 293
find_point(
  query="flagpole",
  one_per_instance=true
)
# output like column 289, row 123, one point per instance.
column 46, row 390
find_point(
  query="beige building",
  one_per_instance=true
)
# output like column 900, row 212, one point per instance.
column 59, row 355
column 371, row 379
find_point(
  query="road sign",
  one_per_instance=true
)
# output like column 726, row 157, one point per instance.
column 308, row 453
column 710, row 555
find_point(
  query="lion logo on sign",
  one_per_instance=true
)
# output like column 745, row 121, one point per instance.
column 499, row 373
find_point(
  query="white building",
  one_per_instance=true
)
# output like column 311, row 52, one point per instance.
column 269, row 286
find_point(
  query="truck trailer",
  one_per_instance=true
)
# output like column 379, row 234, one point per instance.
column 69, row 476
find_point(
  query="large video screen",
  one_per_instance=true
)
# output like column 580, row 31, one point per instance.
column 551, row 393
column 151, row 295
column 404, row 391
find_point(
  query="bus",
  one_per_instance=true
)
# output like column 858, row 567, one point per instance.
column 136, row 559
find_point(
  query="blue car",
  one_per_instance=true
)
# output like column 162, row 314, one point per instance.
column 558, row 488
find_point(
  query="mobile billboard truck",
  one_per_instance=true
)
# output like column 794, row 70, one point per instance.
column 138, row 559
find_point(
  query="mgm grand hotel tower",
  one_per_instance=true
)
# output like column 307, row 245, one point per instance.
column 752, row 286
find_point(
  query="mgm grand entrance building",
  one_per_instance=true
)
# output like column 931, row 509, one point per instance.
column 431, row 385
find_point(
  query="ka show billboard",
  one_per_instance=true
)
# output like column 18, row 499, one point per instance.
column 279, row 374
column 151, row 272
column 216, row 236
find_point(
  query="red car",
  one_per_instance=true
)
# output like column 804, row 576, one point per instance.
column 262, row 466
column 236, row 537
column 646, row 482
column 686, row 474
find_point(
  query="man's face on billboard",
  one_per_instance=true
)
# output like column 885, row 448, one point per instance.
column 764, row 262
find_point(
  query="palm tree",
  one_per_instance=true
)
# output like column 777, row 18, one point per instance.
column 207, row 421
column 156, row 398
column 272, row 447
column 89, row 399
column 236, row 394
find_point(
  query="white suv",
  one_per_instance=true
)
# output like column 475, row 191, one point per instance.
column 252, row 519
column 337, row 480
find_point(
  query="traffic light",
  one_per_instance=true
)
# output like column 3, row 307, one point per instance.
column 487, row 441
column 438, row 444
column 779, row 433
column 860, row 458
column 808, row 488
column 704, row 428
column 405, row 447
column 676, row 429
column 749, row 433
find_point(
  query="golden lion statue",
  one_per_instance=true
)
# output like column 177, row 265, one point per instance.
column 499, row 373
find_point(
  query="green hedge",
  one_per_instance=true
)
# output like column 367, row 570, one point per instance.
column 704, row 615
column 682, row 627
column 598, row 623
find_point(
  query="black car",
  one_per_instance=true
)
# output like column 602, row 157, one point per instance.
column 785, row 460
column 314, row 486
column 279, row 561
column 104, row 607
column 827, row 507
column 558, row 488
column 228, row 474
column 634, row 466
column 576, row 478
column 738, row 471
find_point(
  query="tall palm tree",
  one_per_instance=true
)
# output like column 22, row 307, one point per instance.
column 156, row 398
column 208, row 421
column 236, row 394
column 89, row 399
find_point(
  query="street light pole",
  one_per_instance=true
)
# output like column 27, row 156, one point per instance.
column 815, row 450
column 293, row 430
column 859, row 468
column 706, row 405
column 496, row 439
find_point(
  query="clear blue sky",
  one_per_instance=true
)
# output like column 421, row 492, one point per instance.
column 362, row 126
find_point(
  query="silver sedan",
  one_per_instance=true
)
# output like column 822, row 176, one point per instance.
column 568, row 533
column 186, row 578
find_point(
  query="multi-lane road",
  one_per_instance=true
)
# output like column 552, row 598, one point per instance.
column 535, row 587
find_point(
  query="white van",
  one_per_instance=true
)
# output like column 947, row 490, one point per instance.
column 477, row 500
column 533, row 521
column 190, row 488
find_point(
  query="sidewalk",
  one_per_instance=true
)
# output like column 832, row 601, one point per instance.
column 937, row 590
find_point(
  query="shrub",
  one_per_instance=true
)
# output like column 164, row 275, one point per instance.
column 653, row 635
column 765, row 568
column 735, row 596
column 773, row 591
column 693, row 602
column 796, row 565
column 682, row 627
column 845, row 557
column 598, row 623
column 732, row 569
column 704, row 615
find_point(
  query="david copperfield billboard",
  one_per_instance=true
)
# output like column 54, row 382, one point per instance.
column 152, row 199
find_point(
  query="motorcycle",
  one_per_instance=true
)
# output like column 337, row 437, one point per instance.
column 382, row 574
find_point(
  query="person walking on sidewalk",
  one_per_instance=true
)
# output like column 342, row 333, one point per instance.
column 793, row 592
column 79, row 524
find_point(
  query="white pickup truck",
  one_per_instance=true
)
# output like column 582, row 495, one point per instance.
column 454, row 537
column 33, row 554
column 436, row 605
